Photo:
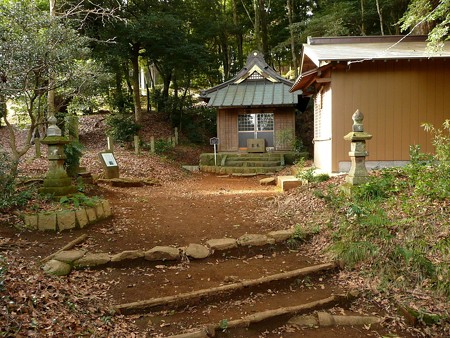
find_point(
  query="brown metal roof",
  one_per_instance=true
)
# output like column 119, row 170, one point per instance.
column 322, row 51
column 253, row 93
column 257, row 84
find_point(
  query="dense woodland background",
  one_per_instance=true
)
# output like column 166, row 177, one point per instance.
column 79, row 57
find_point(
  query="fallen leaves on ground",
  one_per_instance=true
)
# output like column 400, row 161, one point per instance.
column 35, row 304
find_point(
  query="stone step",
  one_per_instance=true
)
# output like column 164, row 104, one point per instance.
column 245, row 158
column 288, row 182
column 233, row 163
column 240, row 170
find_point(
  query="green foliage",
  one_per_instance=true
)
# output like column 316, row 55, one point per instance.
column 122, row 103
column 308, row 174
column 435, row 14
column 429, row 175
column 378, row 187
column 385, row 225
column 223, row 324
column 198, row 124
column 162, row 146
column 39, row 53
column 78, row 200
column 354, row 252
column 73, row 152
column 10, row 197
column 297, row 237
column 122, row 128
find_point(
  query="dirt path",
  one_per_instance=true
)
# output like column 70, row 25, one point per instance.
column 190, row 211
column 194, row 210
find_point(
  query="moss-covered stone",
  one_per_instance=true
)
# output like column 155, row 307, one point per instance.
column 47, row 221
column 66, row 220
column 31, row 221
column 81, row 217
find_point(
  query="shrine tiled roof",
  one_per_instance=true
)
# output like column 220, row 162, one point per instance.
column 257, row 84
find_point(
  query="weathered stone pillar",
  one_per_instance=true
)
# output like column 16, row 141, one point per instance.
column 56, row 182
column 358, row 172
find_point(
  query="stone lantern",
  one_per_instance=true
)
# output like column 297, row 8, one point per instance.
column 56, row 182
column 358, row 173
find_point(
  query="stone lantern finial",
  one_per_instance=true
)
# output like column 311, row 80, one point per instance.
column 53, row 129
column 358, row 117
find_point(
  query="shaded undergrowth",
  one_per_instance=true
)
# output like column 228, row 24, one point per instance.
column 395, row 229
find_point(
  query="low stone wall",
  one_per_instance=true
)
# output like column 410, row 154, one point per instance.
column 64, row 261
column 68, row 219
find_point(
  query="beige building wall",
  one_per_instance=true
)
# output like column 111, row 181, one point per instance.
column 396, row 97
column 323, row 129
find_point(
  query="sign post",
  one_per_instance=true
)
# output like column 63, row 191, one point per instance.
column 214, row 141
column 109, row 164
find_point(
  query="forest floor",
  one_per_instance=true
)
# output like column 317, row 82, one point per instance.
column 182, row 208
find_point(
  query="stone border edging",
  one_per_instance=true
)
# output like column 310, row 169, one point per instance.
column 68, row 219
column 64, row 261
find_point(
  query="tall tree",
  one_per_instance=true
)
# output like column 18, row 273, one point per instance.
column 39, row 54
column 290, row 15
column 430, row 17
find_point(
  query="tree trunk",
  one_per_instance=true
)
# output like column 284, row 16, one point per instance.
column 119, row 97
column 363, row 28
column 239, row 37
column 380, row 15
column 51, row 83
column 257, row 25
column 225, row 56
column 135, row 83
column 264, row 30
column 291, row 30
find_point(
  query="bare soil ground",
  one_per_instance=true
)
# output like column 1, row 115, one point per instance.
column 193, row 208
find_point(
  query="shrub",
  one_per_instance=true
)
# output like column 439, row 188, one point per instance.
column 377, row 187
column 9, row 196
column 73, row 152
column 122, row 128
column 78, row 200
column 308, row 174
column 162, row 146
column 394, row 214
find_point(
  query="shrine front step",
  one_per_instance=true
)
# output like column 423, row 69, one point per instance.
column 246, row 163
column 240, row 170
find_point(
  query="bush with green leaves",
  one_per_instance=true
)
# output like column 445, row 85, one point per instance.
column 77, row 200
column 122, row 127
column 162, row 146
column 308, row 174
column 429, row 175
column 73, row 152
column 10, row 197
column 394, row 226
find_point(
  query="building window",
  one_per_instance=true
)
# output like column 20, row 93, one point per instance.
column 265, row 122
column 246, row 122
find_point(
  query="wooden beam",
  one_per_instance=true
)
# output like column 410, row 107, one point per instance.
column 183, row 297
column 323, row 79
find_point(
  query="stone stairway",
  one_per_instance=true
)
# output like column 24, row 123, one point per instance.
column 238, row 292
column 243, row 163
